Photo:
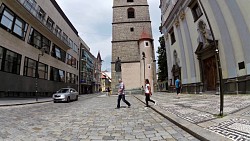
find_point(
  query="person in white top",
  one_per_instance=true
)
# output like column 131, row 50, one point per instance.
column 121, row 95
column 148, row 93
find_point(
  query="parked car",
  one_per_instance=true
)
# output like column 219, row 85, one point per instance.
column 65, row 94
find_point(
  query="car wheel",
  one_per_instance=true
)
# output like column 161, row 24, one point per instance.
column 68, row 99
column 76, row 97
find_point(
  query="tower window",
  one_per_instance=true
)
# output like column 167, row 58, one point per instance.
column 146, row 43
column 132, row 29
column 172, row 36
column 196, row 11
column 130, row 0
column 131, row 13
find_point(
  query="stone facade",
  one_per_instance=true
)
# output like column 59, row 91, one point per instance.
column 197, row 35
column 126, row 40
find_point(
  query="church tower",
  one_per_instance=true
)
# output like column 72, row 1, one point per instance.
column 132, row 42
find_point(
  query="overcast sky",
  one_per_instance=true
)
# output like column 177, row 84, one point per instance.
column 93, row 21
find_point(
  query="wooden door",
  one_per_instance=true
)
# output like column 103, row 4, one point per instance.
column 210, row 73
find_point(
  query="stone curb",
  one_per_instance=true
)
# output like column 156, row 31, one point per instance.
column 193, row 129
column 28, row 103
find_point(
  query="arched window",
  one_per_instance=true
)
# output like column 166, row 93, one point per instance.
column 131, row 13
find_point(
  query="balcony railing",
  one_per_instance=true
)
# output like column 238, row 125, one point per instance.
column 31, row 7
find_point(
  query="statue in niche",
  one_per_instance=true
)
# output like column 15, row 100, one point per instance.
column 118, row 65
column 205, row 35
column 176, row 59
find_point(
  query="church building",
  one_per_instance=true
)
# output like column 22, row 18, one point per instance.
column 207, row 44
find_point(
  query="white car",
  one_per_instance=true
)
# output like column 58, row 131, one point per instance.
column 65, row 94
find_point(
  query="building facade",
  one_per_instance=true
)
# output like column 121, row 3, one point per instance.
column 36, row 41
column 87, row 68
column 106, row 80
column 201, row 36
column 98, row 72
column 132, row 42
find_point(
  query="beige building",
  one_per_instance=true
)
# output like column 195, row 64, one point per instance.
column 192, row 53
column 28, row 28
column 106, row 80
column 132, row 42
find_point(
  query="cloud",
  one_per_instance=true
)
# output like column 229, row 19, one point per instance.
column 93, row 21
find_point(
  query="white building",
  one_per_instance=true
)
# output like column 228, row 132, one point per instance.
column 191, row 48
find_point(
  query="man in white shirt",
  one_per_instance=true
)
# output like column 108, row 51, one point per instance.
column 121, row 95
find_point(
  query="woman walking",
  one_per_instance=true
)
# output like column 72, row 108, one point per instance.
column 148, row 93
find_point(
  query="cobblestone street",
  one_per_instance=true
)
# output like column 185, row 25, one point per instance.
column 91, row 118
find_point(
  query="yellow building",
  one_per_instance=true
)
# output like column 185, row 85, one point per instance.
column 198, row 33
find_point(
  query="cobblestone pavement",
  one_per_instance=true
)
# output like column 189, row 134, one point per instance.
column 90, row 118
column 202, row 110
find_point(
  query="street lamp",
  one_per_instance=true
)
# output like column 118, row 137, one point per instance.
column 217, row 59
column 37, row 74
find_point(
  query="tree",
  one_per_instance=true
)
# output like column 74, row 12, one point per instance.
column 162, row 60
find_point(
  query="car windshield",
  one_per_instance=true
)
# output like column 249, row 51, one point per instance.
column 63, row 91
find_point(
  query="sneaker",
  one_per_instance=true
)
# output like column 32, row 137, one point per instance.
column 155, row 103
column 146, row 108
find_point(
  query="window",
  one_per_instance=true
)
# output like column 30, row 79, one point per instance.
column 75, row 48
column 41, row 14
column 172, row 36
column 7, row 19
column 71, row 60
column 30, row 5
column 10, row 61
column 12, row 23
column 68, row 79
column 131, row 13
column 241, row 65
column 37, row 40
column 19, row 27
column 70, row 43
column 30, row 69
column 58, row 53
column 62, row 76
column 58, row 32
column 65, row 38
column 132, row 29
column 50, row 23
column 57, row 75
column 196, row 11
column 1, row 57
column 71, row 78
column 146, row 44
column 130, row 0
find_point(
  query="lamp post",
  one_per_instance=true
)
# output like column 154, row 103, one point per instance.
column 217, row 56
column 36, row 73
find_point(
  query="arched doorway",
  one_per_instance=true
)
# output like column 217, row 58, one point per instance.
column 207, row 59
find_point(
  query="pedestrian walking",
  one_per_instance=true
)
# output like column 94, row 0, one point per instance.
column 178, row 86
column 108, row 91
column 148, row 93
column 121, row 95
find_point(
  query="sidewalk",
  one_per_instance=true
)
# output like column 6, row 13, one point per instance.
column 22, row 101
column 198, row 114
column 9, row 101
